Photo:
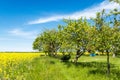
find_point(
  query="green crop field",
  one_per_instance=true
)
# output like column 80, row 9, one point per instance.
column 32, row 66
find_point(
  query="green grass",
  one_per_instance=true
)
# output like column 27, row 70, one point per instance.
column 48, row 68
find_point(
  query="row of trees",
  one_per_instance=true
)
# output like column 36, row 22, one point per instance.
column 100, row 34
column 78, row 35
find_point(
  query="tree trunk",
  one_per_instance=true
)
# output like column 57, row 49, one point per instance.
column 45, row 54
column 108, row 64
column 78, row 54
column 102, row 52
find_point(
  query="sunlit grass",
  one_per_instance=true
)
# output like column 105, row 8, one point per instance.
column 35, row 66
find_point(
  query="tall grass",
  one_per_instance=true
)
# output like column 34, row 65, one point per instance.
column 48, row 68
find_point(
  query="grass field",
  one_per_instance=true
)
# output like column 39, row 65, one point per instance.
column 32, row 66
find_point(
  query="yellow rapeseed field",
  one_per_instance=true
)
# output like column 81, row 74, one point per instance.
column 9, row 63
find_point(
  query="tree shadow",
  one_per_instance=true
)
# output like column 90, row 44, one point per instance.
column 97, row 68
column 52, row 62
column 88, row 64
column 114, row 73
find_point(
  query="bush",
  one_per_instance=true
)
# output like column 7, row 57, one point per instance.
column 66, row 57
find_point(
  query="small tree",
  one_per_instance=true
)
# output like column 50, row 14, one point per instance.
column 104, row 37
column 76, row 36
column 105, row 43
column 47, row 42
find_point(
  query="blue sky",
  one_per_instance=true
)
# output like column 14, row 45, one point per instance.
column 22, row 20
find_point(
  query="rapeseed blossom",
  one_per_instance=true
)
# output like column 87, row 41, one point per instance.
column 10, row 62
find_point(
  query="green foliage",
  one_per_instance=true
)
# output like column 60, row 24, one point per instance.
column 117, row 1
column 115, row 22
column 37, row 44
column 47, row 42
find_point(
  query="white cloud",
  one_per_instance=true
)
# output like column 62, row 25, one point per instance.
column 48, row 19
column 89, row 12
column 25, row 34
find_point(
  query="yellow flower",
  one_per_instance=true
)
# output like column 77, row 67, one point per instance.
column 0, row 70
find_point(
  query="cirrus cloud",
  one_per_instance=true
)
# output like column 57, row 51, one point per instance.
column 87, row 13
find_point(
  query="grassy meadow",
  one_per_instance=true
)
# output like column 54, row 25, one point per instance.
column 34, row 66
